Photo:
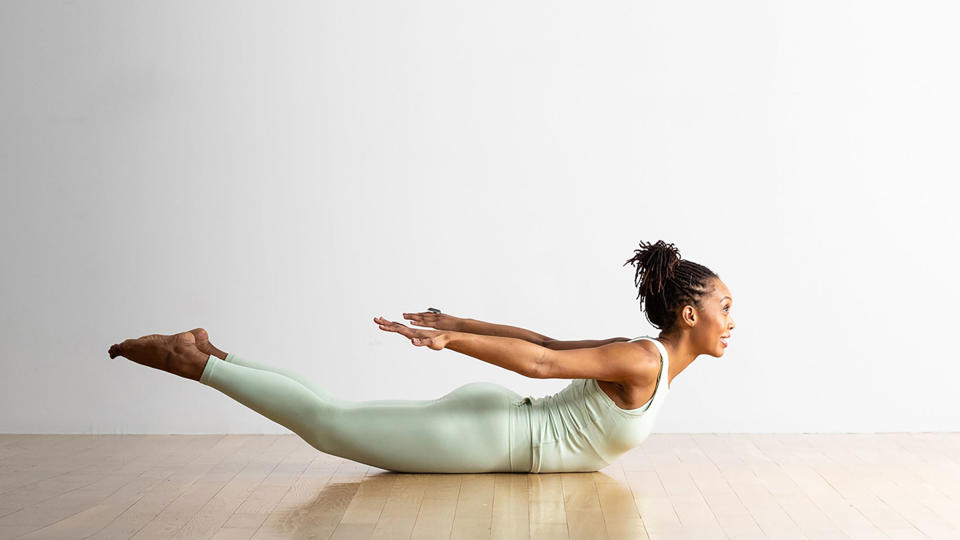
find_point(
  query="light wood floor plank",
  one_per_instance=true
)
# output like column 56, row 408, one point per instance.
column 438, row 507
column 511, row 502
column 473, row 517
column 244, row 500
column 733, row 517
column 302, row 508
column 181, row 470
column 400, row 510
column 581, row 505
column 52, row 506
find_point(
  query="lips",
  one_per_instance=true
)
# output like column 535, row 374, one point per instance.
column 725, row 340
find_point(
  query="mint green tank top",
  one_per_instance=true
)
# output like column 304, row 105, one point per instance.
column 581, row 429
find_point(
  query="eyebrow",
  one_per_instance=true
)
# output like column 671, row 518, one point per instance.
column 731, row 299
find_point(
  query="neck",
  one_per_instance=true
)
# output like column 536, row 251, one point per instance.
column 681, row 351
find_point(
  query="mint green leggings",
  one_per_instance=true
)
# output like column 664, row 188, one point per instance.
column 478, row 427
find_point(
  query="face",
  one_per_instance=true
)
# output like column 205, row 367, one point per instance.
column 713, row 320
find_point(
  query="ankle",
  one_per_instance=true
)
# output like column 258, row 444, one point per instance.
column 190, row 365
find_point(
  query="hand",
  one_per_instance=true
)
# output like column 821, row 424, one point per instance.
column 440, row 321
column 435, row 339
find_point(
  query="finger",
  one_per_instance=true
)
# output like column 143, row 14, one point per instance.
column 397, row 327
column 394, row 327
column 387, row 325
column 422, row 319
column 401, row 329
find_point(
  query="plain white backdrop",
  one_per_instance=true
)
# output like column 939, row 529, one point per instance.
column 279, row 174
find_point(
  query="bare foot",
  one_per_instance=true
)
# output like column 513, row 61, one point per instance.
column 203, row 343
column 177, row 353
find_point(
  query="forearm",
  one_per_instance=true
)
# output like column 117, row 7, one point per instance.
column 514, row 354
column 473, row 326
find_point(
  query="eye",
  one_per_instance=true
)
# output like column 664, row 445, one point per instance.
column 727, row 308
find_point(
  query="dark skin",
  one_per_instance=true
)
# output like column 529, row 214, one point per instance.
column 184, row 353
column 697, row 331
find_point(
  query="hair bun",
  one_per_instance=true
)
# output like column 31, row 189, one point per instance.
column 667, row 283
column 656, row 264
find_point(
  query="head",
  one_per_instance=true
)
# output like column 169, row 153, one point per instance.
column 685, row 300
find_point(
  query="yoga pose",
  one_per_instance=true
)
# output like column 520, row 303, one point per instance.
column 618, row 386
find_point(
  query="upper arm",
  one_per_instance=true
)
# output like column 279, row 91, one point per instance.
column 558, row 345
column 617, row 362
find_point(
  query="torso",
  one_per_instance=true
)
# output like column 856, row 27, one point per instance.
column 631, row 396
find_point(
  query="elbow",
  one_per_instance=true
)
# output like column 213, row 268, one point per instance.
column 539, row 368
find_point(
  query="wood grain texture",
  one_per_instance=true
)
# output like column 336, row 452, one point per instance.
column 701, row 486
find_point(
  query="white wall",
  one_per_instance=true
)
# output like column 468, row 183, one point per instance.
column 282, row 173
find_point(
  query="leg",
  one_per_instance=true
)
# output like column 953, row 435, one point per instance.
column 316, row 389
column 208, row 348
column 467, row 430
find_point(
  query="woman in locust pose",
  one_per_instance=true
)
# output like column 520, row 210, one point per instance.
column 618, row 387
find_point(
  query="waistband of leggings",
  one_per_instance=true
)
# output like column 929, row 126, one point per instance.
column 521, row 441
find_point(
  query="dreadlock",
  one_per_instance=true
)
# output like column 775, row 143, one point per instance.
column 667, row 283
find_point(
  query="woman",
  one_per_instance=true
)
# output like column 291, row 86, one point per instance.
column 618, row 388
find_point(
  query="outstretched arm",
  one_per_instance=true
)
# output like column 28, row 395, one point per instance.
column 445, row 321
column 612, row 362
column 514, row 354
column 473, row 326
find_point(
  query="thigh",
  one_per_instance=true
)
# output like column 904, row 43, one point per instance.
column 467, row 430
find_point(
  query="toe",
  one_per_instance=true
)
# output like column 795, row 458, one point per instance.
column 185, row 337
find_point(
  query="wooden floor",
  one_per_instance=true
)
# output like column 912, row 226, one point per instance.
column 855, row 486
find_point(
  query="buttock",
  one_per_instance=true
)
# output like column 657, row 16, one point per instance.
column 482, row 390
column 478, row 396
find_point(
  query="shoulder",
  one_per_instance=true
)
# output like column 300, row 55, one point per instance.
column 647, row 357
column 639, row 360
